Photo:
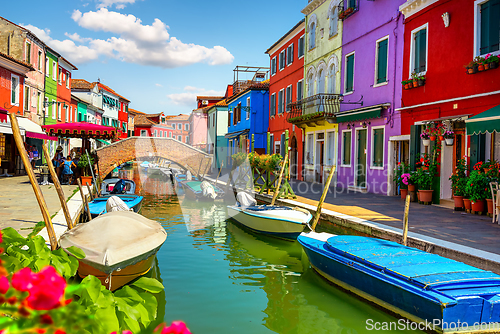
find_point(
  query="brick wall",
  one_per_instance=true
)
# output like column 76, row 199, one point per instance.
column 131, row 148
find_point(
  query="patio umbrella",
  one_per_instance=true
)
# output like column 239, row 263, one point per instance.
column 81, row 130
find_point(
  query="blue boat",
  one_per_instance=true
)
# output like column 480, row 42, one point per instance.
column 194, row 190
column 428, row 289
column 98, row 205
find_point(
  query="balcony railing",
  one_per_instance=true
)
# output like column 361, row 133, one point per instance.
column 313, row 107
column 346, row 8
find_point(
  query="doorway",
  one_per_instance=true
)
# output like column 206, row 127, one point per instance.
column 293, row 158
column 361, row 158
column 320, row 152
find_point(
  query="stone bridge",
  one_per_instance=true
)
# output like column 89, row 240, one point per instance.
column 190, row 158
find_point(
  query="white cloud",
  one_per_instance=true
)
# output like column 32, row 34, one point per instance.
column 158, row 85
column 75, row 37
column 188, row 98
column 120, row 4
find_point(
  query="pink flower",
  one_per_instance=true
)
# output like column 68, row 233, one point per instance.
column 4, row 285
column 23, row 279
column 1, row 240
column 177, row 327
column 127, row 332
column 47, row 291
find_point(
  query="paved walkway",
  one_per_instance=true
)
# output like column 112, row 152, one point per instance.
column 18, row 205
column 430, row 220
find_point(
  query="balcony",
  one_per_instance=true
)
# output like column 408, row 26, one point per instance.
column 314, row 110
column 346, row 8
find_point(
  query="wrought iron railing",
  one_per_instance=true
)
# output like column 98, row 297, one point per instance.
column 322, row 105
column 346, row 8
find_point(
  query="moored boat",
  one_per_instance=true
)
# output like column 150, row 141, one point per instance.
column 422, row 287
column 119, row 246
column 202, row 190
column 98, row 205
column 279, row 221
column 123, row 186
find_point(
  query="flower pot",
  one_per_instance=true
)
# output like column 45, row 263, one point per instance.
column 448, row 141
column 421, row 82
column 467, row 204
column 426, row 142
column 441, row 138
column 425, row 168
column 86, row 180
column 477, row 206
column 470, row 70
column 489, row 205
column 415, row 83
column 480, row 67
column 404, row 192
column 411, row 187
column 425, row 195
column 459, row 201
column 493, row 65
column 486, row 66
column 433, row 137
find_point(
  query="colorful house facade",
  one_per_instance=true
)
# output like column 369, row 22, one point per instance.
column 217, row 128
column 91, row 111
column 180, row 127
column 369, row 126
column 315, row 112
column 64, row 108
column 198, row 121
column 464, row 103
column 286, row 86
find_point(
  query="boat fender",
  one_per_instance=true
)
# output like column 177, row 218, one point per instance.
column 208, row 189
column 115, row 203
column 244, row 199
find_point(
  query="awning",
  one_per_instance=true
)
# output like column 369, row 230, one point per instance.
column 32, row 129
column 236, row 133
column 487, row 121
column 360, row 114
column 105, row 142
column 81, row 130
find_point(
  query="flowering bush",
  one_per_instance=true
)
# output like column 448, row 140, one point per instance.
column 489, row 58
column 239, row 158
column 424, row 135
column 477, row 188
column 267, row 162
column 459, row 179
column 406, row 179
column 400, row 170
column 449, row 134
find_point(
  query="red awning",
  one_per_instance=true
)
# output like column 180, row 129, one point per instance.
column 81, row 130
column 3, row 115
column 37, row 135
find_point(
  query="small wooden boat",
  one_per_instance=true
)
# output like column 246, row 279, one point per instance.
column 279, row 221
column 202, row 190
column 98, row 205
column 124, row 186
column 412, row 283
column 119, row 246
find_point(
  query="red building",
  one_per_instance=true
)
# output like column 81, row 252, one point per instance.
column 151, row 125
column 180, row 127
column 123, row 116
column 286, row 86
column 440, row 39
column 64, row 91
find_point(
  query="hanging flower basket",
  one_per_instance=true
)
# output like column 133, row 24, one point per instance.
column 426, row 142
column 433, row 137
column 449, row 141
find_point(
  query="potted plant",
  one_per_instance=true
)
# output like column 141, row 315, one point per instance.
column 458, row 184
column 491, row 60
column 477, row 189
column 480, row 63
column 424, row 179
column 424, row 162
column 406, row 84
column 85, row 163
column 471, row 67
column 492, row 170
column 420, row 80
column 425, row 138
column 448, row 137
column 414, row 79
column 402, row 177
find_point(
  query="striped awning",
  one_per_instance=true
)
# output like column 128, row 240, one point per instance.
column 487, row 121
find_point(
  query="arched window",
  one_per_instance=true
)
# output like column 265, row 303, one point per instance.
column 310, row 84
column 331, row 79
column 321, row 82
column 333, row 21
column 312, row 36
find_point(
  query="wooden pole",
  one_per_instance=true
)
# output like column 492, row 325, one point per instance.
column 405, row 219
column 322, row 199
column 60, row 192
column 91, row 196
column 34, row 183
column 220, row 170
column 84, row 199
column 277, row 190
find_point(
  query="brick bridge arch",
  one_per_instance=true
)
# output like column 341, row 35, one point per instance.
column 188, row 157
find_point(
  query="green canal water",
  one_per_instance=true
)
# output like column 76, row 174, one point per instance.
column 221, row 278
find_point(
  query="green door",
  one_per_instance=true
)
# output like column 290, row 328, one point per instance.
column 361, row 163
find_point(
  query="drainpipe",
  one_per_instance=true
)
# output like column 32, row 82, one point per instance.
column 391, row 118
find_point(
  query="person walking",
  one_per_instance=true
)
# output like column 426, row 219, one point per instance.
column 67, row 172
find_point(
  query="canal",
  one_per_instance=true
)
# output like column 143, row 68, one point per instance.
column 221, row 278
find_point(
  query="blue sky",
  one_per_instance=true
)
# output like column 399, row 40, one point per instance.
column 159, row 54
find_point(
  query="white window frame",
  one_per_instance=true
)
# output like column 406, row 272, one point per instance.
column 353, row 72
column 273, row 97
column 46, row 106
column 16, row 90
column 343, row 149
column 247, row 109
column 179, row 126
column 144, row 133
column 156, row 133
column 273, row 66
column 282, row 92
column 173, row 126
column 333, row 15
column 39, row 63
column 59, row 76
column 288, row 99
column 54, row 109
column 282, row 60
column 412, row 49
column 375, row 84
column 372, row 147
column 299, row 56
column 289, row 54
column 310, row 145
column 67, row 80
column 312, row 36
column 179, row 138
column 271, row 142
column 59, row 111
column 47, row 66
column 356, row 153
column 477, row 29
column 27, row 98
column 66, row 113
column 54, row 70
column 327, row 148
column 186, row 127
column 28, row 55
column 301, row 82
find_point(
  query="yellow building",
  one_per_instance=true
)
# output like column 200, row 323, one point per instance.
column 315, row 113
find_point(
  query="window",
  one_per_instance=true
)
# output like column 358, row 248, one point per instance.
column 47, row 68
column 273, row 66
column 312, row 36
column 488, row 27
column 418, row 54
column 39, row 101
column 333, row 21
column 26, row 98
column 346, row 147
column 67, row 80
column 179, row 138
column 54, row 70
column 186, row 127
column 28, row 52
column 39, row 60
column 71, row 118
column 381, row 61
column 59, row 76
column 310, row 84
column 330, row 148
column 300, row 52
column 156, row 134
column 310, row 149
column 331, row 79
column 66, row 114
column 179, row 126
column 59, row 111
column 289, row 54
column 282, row 60
column 247, row 109
column 300, row 83
column 173, row 126
column 271, row 143
column 273, row 104
column 349, row 75
column 14, row 90
column 280, row 102
column 170, row 135
column 144, row 133
column 54, row 111
column 289, row 92
column 46, row 107
column 378, row 147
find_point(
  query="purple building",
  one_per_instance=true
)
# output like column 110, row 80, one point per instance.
column 369, row 144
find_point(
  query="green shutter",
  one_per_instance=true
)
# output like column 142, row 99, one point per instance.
column 350, row 74
column 477, row 149
column 346, row 142
column 352, row 4
column 490, row 26
column 378, row 148
column 273, row 105
column 415, row 140
column 382, row 62
column 420, row 51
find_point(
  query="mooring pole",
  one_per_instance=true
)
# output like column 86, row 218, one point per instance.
column 405, row 220
column 60, row 192
column 84, row 199
column 276, row 192
column 322, row 199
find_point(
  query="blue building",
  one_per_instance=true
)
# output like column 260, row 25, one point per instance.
column 248, row 115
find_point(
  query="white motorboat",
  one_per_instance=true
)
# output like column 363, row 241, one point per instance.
column 279, row 221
